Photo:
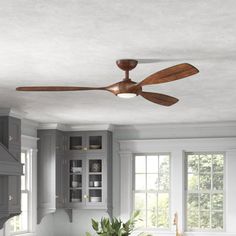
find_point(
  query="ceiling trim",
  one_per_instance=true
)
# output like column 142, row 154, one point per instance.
column 12, row 112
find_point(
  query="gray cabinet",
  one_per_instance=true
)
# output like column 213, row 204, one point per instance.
column 10, row 137
column 67, row 174
column 89, row 175
column 50, row 172
column 10, row 195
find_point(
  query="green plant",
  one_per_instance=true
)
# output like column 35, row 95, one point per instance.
column 114, row 227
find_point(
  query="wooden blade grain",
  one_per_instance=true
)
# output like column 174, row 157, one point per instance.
column 159, row 98
column 56, row 88
column 170, row 74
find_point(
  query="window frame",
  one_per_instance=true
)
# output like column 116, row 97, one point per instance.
column 198, row 230
column 157, row 191
column 32, row 202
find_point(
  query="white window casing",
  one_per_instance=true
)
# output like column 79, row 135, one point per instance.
column 177, row 148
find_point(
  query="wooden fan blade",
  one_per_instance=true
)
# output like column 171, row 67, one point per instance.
column 56, row 88
column 170, row 74
column 159, row 98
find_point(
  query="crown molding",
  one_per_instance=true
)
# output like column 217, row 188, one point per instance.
column 64, row 127
column 176, row 125
column 12, row 112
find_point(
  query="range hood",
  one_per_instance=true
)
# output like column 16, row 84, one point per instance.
column 9, row 165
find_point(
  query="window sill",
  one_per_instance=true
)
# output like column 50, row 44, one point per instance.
column 24, row 234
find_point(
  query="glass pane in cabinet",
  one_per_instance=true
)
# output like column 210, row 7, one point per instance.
column 95, row 181
column 95, row 165
column 76, row 195
column 76, row 166
column 95, row 142
column 76, row 143
column 95, row 195
column 75, row 181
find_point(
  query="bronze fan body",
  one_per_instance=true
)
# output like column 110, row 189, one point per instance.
column 127, row 87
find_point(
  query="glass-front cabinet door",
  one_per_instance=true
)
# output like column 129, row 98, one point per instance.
column 76, row 181
column 95, row 181
column 96, row 142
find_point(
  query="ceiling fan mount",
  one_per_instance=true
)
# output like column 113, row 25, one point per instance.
column 128, row 88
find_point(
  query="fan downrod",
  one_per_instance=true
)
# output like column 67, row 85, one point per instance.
column 126, row 65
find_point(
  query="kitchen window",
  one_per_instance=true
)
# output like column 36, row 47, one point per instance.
column 205, row 191
column 151, row 190
column 21, row 224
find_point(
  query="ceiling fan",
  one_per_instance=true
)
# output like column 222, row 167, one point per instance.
column 128, row 88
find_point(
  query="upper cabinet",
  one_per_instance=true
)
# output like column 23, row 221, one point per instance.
column 74, row 171
column 83, row 142
column 10, row 134
column 88, row 159
column 50, row 171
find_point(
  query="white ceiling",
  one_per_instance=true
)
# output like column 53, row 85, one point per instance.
column 76, row 42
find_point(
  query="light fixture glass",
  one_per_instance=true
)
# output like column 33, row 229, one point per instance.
column 126, row 95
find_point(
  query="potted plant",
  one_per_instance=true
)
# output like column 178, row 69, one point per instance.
column 115, row 227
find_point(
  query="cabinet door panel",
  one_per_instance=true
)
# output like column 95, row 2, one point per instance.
column 14, row 193
column 96, row 141
column 14, row 131
column 4, row 193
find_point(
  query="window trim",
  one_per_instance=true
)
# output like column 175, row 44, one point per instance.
column 29, row 143
column 186, row 192
column 169, row 191
column 177, row 147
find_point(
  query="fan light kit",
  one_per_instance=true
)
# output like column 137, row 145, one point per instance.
column 128, row 88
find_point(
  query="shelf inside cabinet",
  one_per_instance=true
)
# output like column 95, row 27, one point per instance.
column 76, row 143
column 95, row 142
column 75, row 195
column 95, row 166
column 95, row 195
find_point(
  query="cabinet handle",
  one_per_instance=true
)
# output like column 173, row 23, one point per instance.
column 86, row 196
column 10, row 198
column 10, row 138
column 85, row 148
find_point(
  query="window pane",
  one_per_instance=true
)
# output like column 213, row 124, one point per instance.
column 193, row 182
column 205, row 182
column 192, row 220
column 163, row 219
column 140, row 201
column 218, row 181
column 193, row 163
column 217, row 201
column 152, row 164
column 163, row 182
column 142, row 220
column 140, row 181
column 164, row 163
column 218, row 163
column 205, row 201
column 152, row 181
column 205, row 163
column 217, row 220
column 205, row 219
column 192, row 202
column 151, row 218
column 152, row 201
column 140, row 164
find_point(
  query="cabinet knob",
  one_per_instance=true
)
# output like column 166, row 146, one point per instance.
column 86, row 196
column 10, row 198
column 10, row 138
column 85, row 148
column 57, row 196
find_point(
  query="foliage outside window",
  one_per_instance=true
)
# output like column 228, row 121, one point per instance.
column 20, row 223
column 151, row 190
column 205, row 191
